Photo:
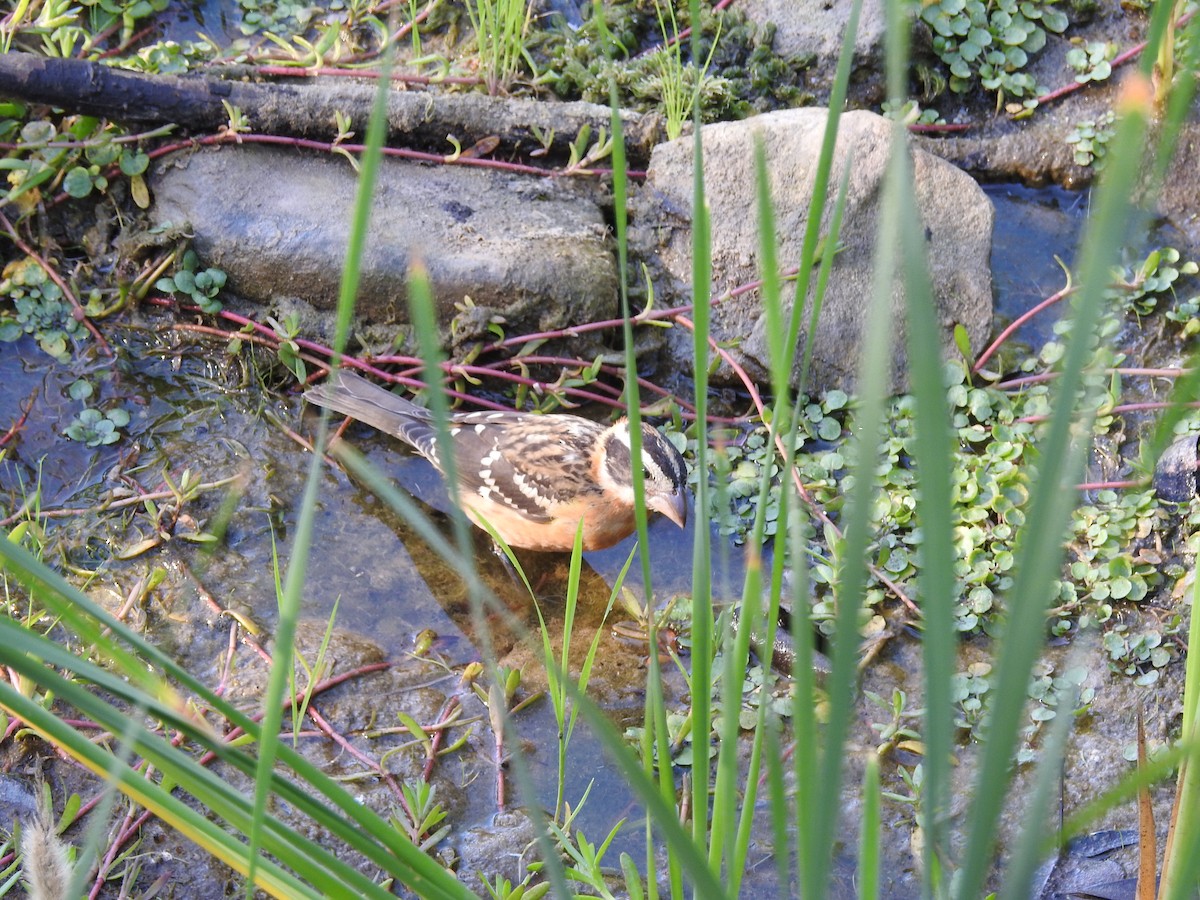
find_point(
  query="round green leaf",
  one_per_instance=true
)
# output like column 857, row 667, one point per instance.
column 1055, row 20
column 78, row 183
column 134, row 163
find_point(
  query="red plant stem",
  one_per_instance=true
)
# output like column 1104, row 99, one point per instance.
column 16, row 426
column 719, row 5
column 407, row 27
column 1017, row 323
column 816, row 509
column 1126, row 407
column 78, row 314
column 649, row 315
column 227, row 137
column 240, row 336
column 265, row 336
column 688, row 409
column 114, row 848
column 131, row 826
column 312, row 712
column 1119, row 60
column 449, row 709
column 1042, row 377
column 95, row 142
column 104, row 34
column 133, row 39
column 1111, row 485
column 943, row 128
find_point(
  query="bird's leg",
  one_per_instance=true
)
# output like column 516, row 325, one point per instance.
column 509, row 567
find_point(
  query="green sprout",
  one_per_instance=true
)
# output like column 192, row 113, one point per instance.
column 202, row 287
column 94, row 427
column 38, row 309
column 1090, row 140
column 1092, row 61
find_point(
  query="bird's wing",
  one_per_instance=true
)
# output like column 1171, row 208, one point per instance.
column 517, row 461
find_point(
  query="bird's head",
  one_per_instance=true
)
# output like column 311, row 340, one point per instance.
column 664, row 473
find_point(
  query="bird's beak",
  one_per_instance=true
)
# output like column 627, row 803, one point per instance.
column 673, row 506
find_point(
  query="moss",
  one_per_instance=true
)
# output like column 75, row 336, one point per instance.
column 747, row 76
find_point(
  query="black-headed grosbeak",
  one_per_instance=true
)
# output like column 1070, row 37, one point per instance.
column 530, row 477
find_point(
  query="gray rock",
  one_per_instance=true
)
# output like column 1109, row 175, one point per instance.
column 1180, row 202
column 527, row 251
column 956, row 213
column 815, row 27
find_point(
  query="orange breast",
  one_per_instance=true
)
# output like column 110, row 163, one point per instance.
column 602, row 527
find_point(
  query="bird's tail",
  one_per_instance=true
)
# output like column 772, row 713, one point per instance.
column 354, row 396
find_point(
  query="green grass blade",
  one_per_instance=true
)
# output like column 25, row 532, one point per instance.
column 1181, row 870
column 934, row 464
column 677, row 840
column 703, row 642
column 315, row 795
column 868, row 844
column 851, row 588
column 315, row 865
column 1029, row 850
column 289, row 612
column 812, row 229
column 1039, row 551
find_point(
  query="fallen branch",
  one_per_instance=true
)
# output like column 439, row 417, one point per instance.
column 197, row 103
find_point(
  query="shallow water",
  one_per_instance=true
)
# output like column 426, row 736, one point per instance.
column 1033, row 225
column 193, row 407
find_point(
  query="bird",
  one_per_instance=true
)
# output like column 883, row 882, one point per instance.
column 532, row 478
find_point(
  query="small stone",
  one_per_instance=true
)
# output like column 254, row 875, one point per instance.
column 1175, row 474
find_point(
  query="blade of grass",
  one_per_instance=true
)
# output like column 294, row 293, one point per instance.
column 812, row 229
column 868, row 845
column 804, row 717
column 934, row 464
column 851, row 586
column 752, row 620
column 420, row 297
column 702, row 611
column 556, row 675
column 1181, row 867
column 655, row 748
column 1039, row 552
column 315, row 795
column 200, row 782
column 289, row 612
column 677, row 841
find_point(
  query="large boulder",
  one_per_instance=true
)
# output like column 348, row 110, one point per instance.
column 956, row 214
column 528, row 252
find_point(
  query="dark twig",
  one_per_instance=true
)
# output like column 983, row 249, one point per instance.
column 327, row 72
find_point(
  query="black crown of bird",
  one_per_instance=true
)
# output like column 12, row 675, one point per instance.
column 532, row 478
